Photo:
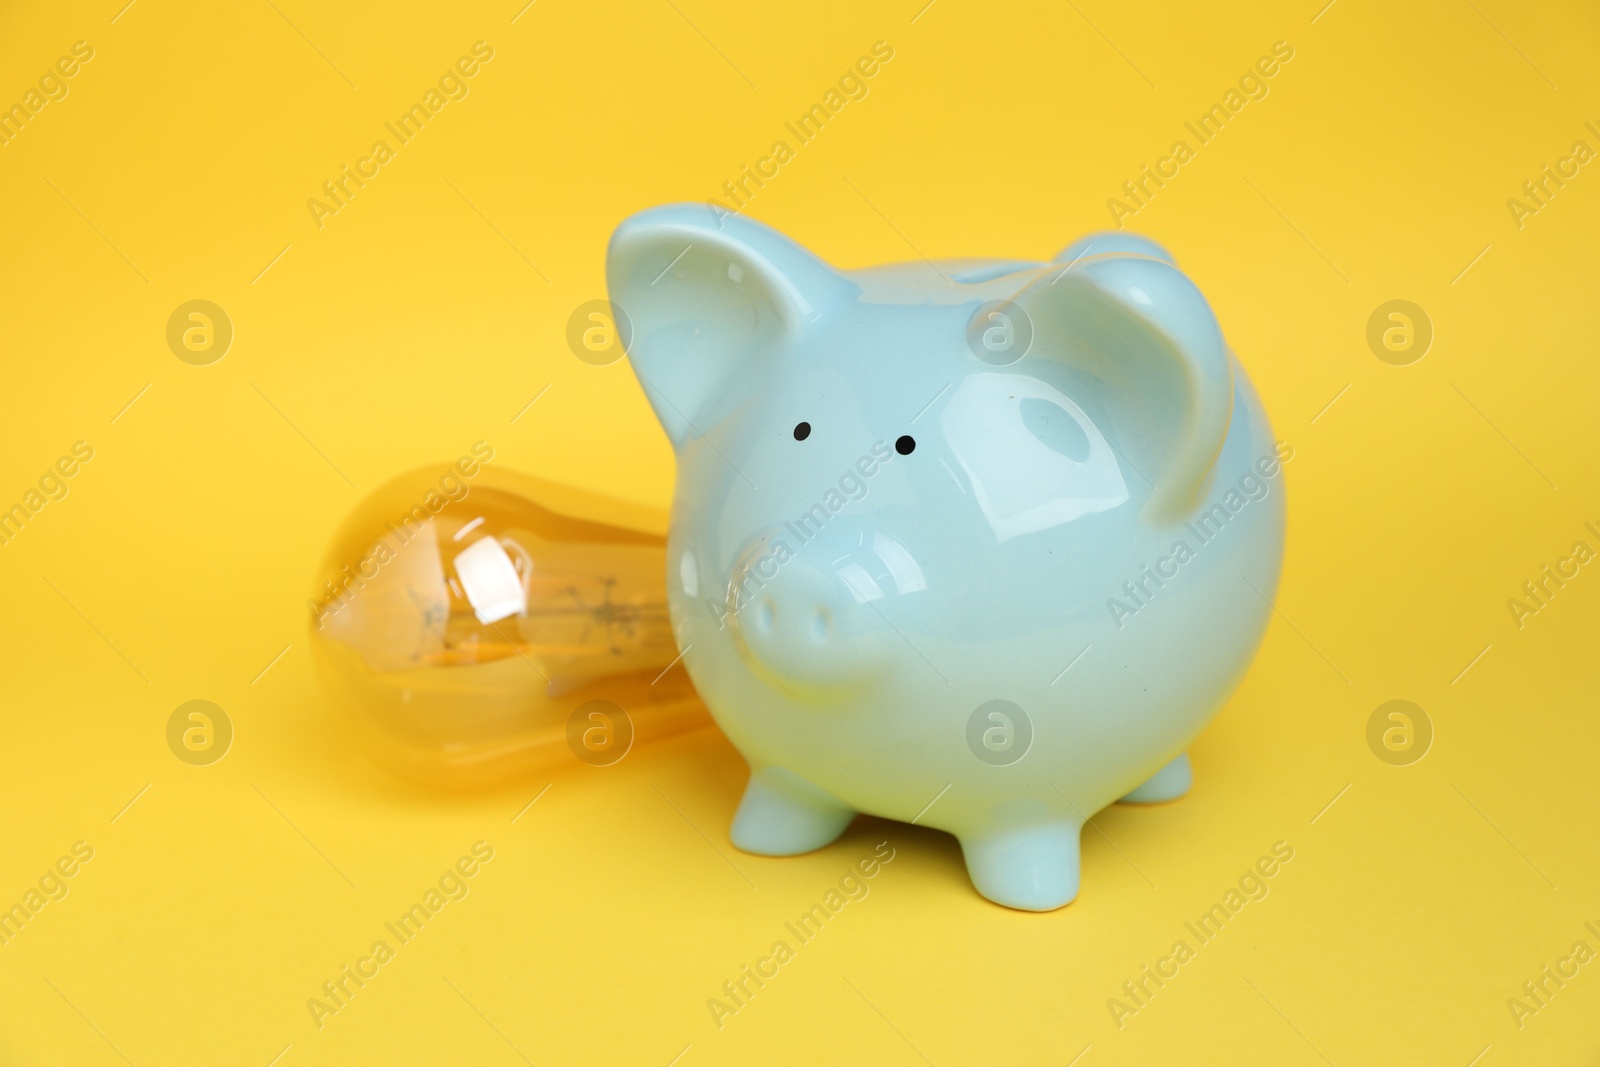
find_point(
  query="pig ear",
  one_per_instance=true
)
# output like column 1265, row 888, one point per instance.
column 1146, row 342
column 705, row 291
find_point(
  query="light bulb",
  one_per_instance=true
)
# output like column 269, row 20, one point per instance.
column 482, row 627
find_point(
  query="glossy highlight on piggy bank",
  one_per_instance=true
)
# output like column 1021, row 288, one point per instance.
column 981, row 544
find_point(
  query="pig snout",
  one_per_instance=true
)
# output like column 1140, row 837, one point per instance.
column 815, row 612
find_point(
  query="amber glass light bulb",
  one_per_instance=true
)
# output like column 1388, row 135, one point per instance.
column 485, row 626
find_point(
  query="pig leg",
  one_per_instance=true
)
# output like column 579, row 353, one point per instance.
column 1169, row 783
column 782, row 814
column 1032, row 868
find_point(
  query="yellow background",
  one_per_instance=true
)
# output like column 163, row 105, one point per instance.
column 416, row 321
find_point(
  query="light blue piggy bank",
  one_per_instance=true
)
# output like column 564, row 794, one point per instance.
column 980, row 545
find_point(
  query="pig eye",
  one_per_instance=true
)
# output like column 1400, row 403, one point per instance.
column 905, row 445
column 802, row 431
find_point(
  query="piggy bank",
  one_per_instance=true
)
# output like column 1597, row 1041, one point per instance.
column 980, row 545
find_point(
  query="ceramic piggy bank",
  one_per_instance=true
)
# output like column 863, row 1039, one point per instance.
column 980, row 545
